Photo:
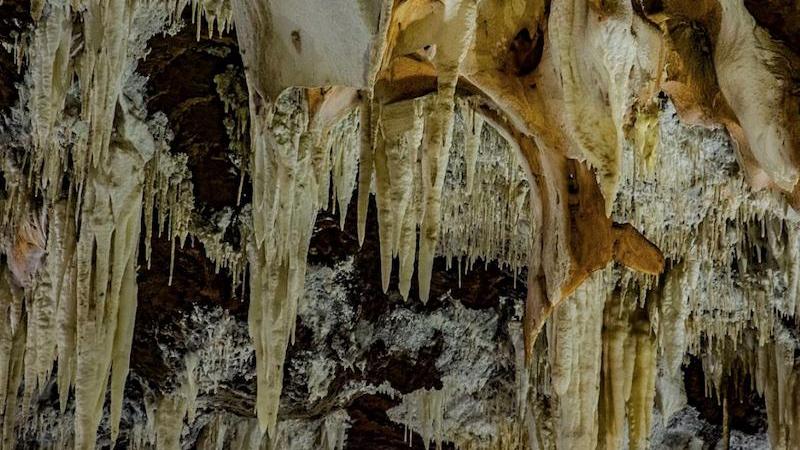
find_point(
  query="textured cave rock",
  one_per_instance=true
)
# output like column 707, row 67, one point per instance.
column 533, row 224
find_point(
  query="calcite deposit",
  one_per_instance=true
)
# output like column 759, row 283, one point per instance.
column 466, row 224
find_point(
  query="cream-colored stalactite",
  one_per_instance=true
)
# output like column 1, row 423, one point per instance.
column 13, row 332
column 428, row 407
column 285, row 153
column 344, row 159
column 168, row 190
column 284, row 209
column 473, row 126
column 67, row 329
column 214, row 434
column 110, row 223
column 13, row 379
column 50, row 77
column 491, row 220
column 397, row 171
column 643, row 388
column 101, row 68
column 368, row 114
column 456, row 33
column 595, row 56
column 321, row 140
column 574, row 339
column 170, row 411
column 753, row 73
column 474, row 225
column 333, row 430
column 672, row 334
column 618, row 366
column 246, row 434
column 89, row 334
column 627, row 388
column 42, row 305
column 218, row 14
column 332, row 125
column 673, row 311
column 778, row 380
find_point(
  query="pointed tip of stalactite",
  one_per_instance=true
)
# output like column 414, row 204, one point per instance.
column 424, row 271
column 405, row 289
column 537, row 309
column 267, row 422
column 360, row 237
column 361, row 208
column 424, row 278
column 385, row 276
column 609, row 194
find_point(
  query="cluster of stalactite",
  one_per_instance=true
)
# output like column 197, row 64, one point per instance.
column 543, row 104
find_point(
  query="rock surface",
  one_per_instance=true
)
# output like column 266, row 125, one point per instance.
column 562, row 224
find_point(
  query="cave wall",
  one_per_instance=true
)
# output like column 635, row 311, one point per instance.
column 590, row 205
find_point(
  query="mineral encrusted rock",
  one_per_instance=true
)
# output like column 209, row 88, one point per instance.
column 472, row 224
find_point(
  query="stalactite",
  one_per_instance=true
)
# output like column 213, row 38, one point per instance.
column 670, row 321
column 752, row 69
column 778, row 379
column 217, row 13
column 596, row 82
column 450, row 52
column 67, row 297
column 575, row 345
column 628, row 378
column 106, row 254
column 397, row 187
column 168, row 191
column 428, row 406
column 640, row 402
column 41, row 305
column 473, row 127
column 490, row 221
column 82, row 306
column 107, row 27
column 366, row 160
column 333, row 432
column 50, row 78
column 284, row 208
column 170, row 411
column 344, row 159
column 552, row 85
column 12, row 344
